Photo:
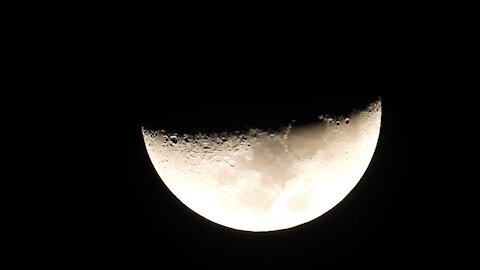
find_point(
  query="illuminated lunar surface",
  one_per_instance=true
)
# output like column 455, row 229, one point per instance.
column 261, row 180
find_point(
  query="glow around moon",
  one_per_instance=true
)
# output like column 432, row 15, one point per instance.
column 262, row 180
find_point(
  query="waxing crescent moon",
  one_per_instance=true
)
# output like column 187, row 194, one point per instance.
column 259, row 180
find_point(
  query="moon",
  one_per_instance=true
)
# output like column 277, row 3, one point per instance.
column 266, row 180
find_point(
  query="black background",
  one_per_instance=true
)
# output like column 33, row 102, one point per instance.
column 132, row 219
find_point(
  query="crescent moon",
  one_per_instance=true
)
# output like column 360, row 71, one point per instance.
column 261, row 180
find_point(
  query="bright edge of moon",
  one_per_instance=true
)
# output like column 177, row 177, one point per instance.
column 261, row 180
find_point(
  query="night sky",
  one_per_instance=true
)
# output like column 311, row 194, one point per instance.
column 134, row 220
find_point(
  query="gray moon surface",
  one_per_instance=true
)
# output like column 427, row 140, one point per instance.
column 261, row 180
